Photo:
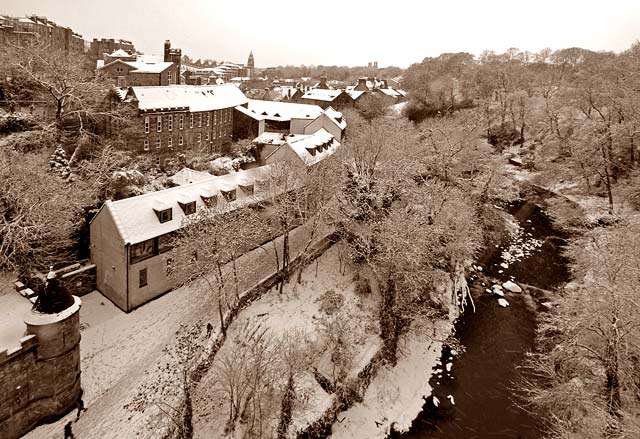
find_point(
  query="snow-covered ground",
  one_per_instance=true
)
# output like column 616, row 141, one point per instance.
column 297, row 309
column 396, row 393
column 121, row 351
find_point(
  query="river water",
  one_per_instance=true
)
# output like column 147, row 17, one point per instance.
column 476, row 398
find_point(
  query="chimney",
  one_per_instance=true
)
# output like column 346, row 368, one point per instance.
column 323, row 82
column 385, row 84
column 362, row 82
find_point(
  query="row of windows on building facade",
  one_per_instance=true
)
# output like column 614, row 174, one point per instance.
column 169, row 123
column 220, row 133
column 219, row 117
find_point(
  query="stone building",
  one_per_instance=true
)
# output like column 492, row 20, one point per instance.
column 176, row 118
column 173, row 56
column 99, row 48
column 40, row 378
column 139, row 73
column 130, row 238
column 35, row 29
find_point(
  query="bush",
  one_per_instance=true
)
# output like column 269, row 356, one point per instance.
column 502, row 136
column 362, row 287
column 15, row 123
column 29, row 141
column 330, row 302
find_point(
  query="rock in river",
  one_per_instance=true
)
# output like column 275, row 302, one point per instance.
column 512, row 286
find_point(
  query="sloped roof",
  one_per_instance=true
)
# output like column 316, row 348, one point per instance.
column 321, row 94
column 249, row 113
column 284, row 111
column 188, row 176
column 355, row 94
column 119, row 53
column 335, row 115
column 141, row 67
column 304, row 145
column 189, row 97
column 137, row 221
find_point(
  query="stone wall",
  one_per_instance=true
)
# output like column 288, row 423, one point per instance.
column 40, row 380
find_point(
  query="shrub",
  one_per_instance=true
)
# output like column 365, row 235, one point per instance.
column 362, row 287
column 502, row 136
column 330, row 301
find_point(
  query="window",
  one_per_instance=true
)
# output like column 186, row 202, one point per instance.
column 171, row 122
column 181, row 121
column 159, row 123
column 215, row 117
column 188, row 208
column 209, row 201
column 146, row 144
column 248, row 189
column 146, row 124
column 191, row 120
column 164, row 215
column 142, row 251
column 199, row 138
column 142, row 278
column 199, row 120
column 170, row 142
column 208, row 118
column 163, row 243
column 206, row 137
column 158, row 143
column 170, row 77
column 229, row 195
column 180, row 140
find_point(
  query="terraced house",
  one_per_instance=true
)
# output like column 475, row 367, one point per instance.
column 177, row 118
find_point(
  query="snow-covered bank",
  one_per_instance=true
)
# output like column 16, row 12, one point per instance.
column 396, row 393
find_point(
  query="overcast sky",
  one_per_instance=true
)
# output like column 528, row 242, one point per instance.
column 344, row 32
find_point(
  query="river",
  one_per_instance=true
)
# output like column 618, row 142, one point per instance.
column 476, row 398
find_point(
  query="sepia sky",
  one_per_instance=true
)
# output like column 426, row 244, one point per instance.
column 345, row 32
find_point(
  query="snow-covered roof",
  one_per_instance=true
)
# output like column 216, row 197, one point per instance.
column 137, row 221
column 141, row 67
column 355, row 94
column 144, row 67
column 188, row 97
column 284, row 111
column 390, row 92
column 321, row 94
column 313, row 148
column 268, row 138
column 248, row 112
column 188, row 176
column 119, row 53
column 336, row 116
column 99, row 64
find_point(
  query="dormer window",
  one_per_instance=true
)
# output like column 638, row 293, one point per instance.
column 247, row 189
column 209, row 201
column 229, row 195
column 163, row 212
column 188, row 208
column 165, row 215
column 311, row 151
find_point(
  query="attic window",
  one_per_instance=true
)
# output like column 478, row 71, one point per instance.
column 311, row 151
column 209, row 200
column 164, row 215
column 188, row 208
column 247, row 189
column 276, row 115
column 229, row 195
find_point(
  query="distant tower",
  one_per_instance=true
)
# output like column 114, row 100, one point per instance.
column 251, row 65
column 174, row 56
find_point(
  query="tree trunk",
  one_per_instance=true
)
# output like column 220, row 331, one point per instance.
column 287, row 409
column 607, row 180
column 389, row 327
column 187, row 413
